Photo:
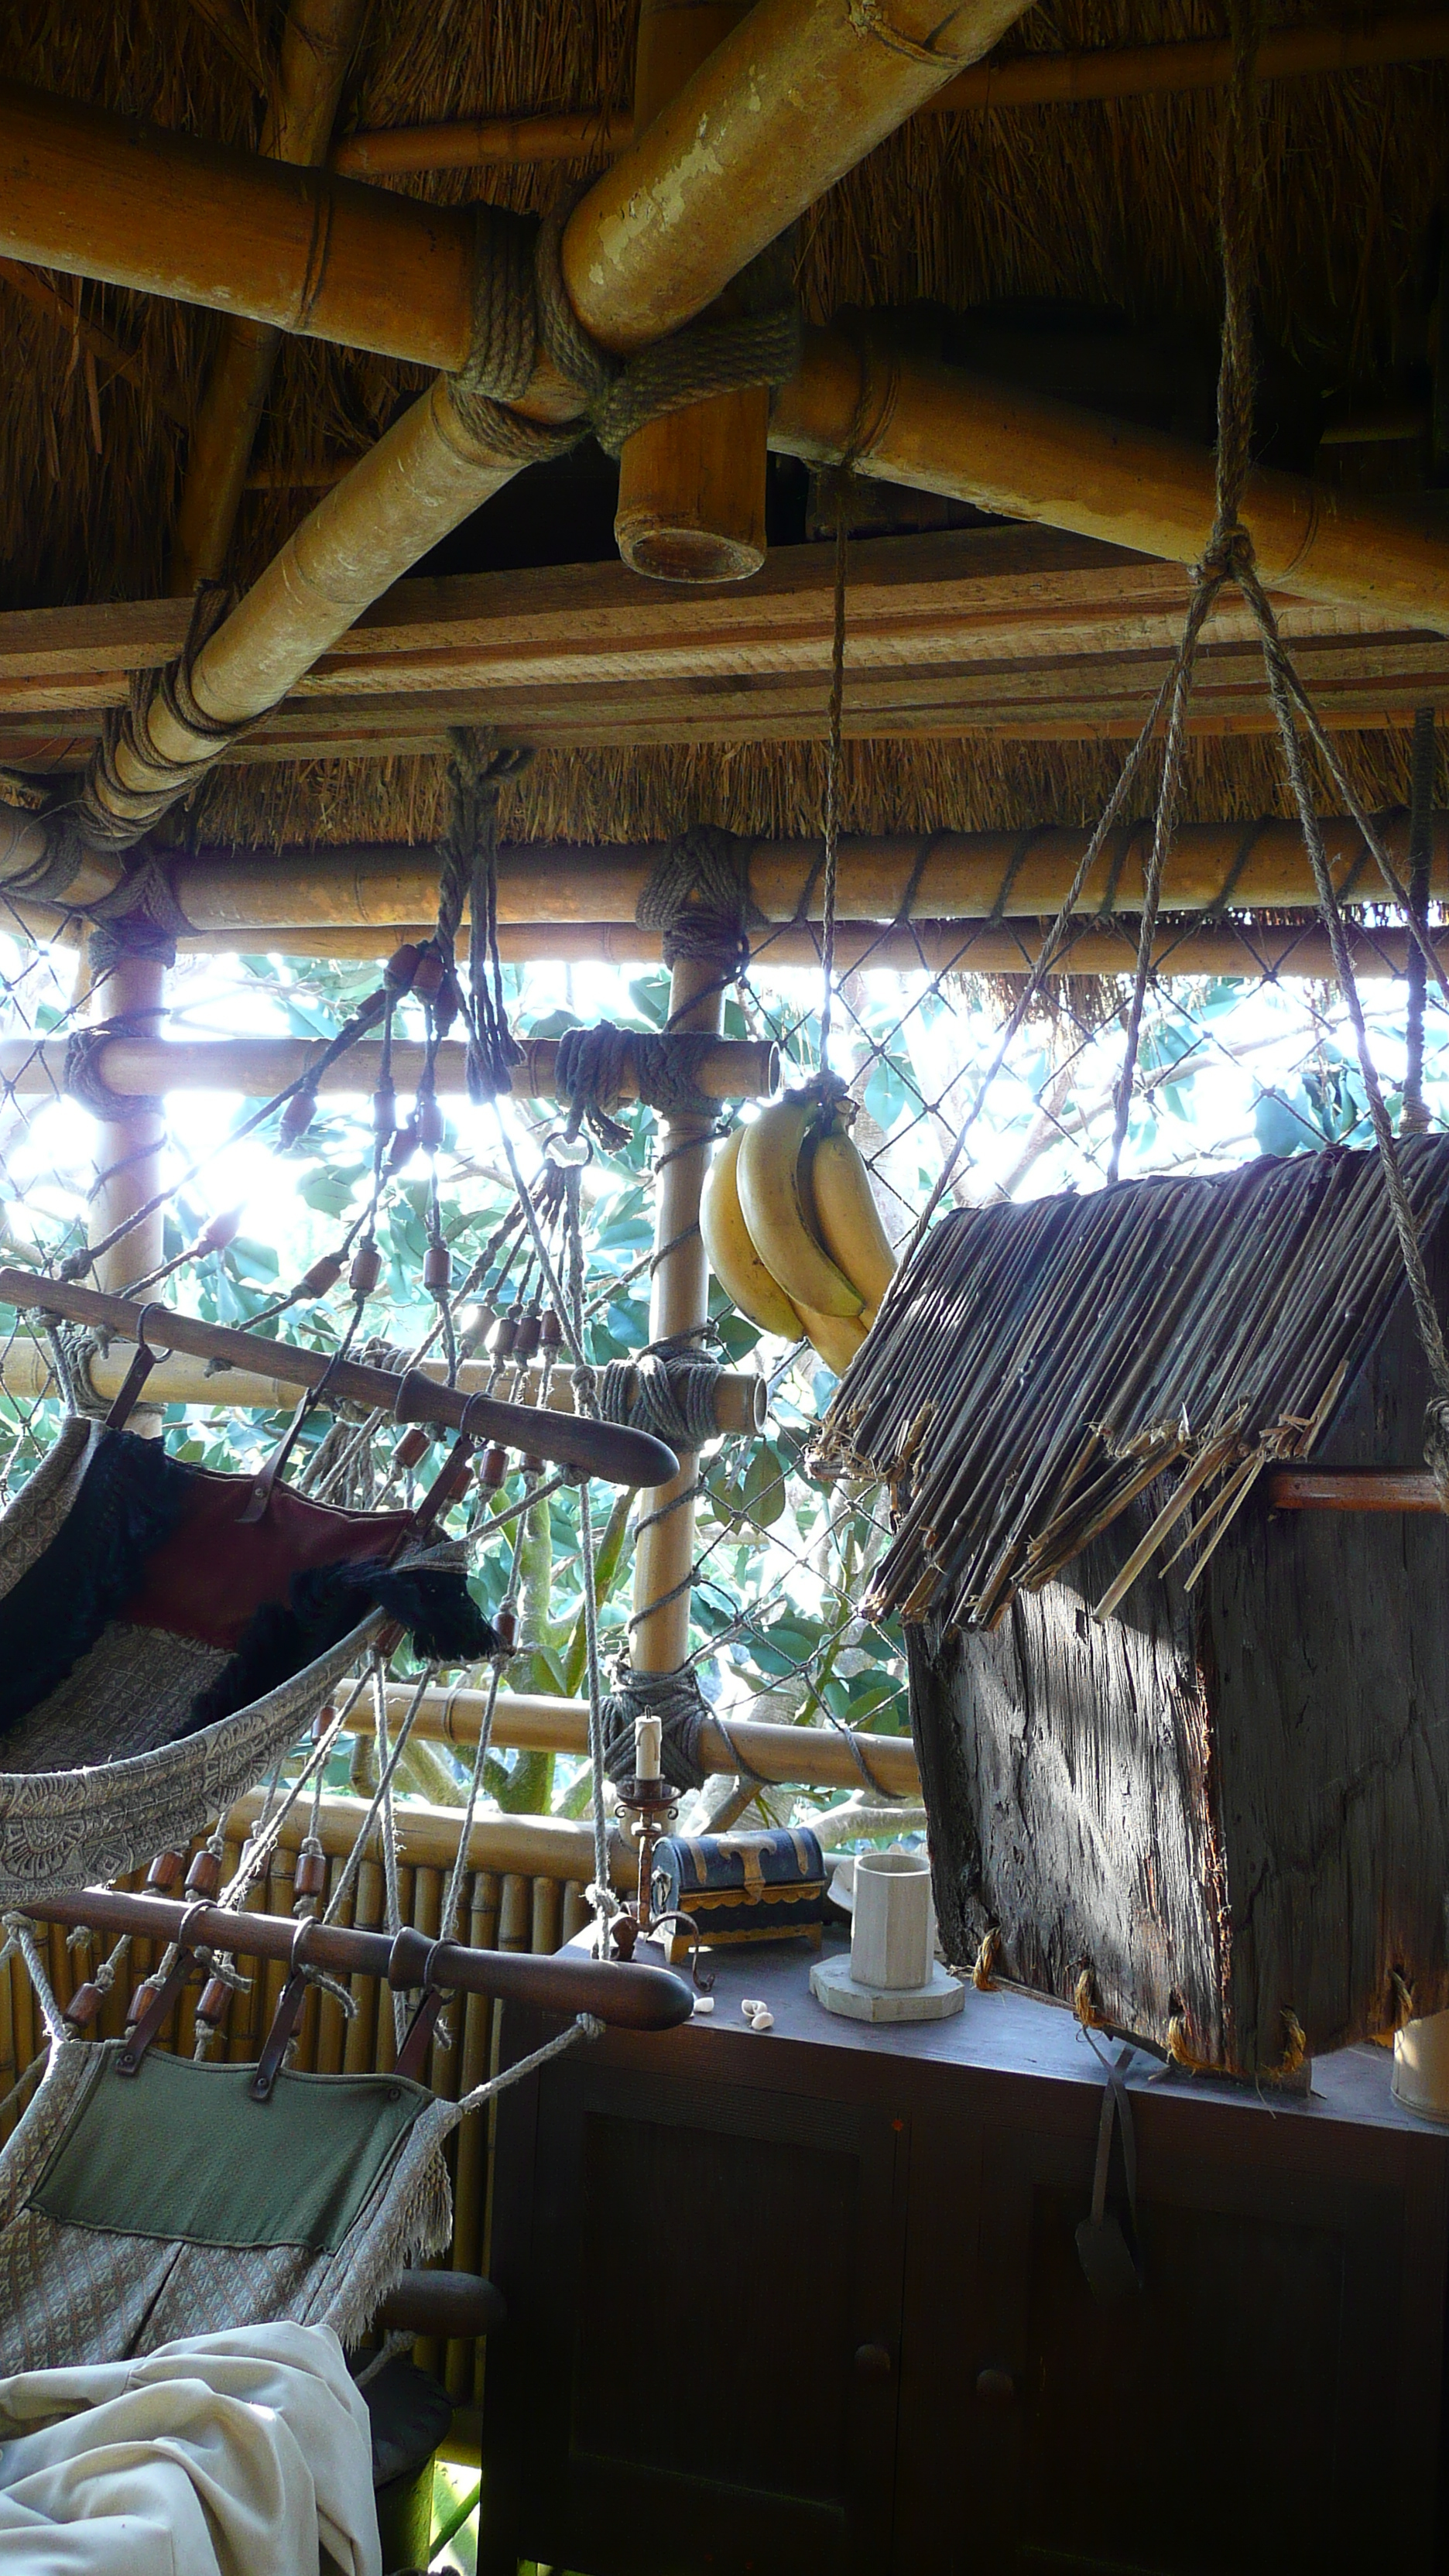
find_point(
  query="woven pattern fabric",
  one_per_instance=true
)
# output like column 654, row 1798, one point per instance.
column 76, row 1828
column 73, row 2294
column 130, row 1693
column 43, row 1503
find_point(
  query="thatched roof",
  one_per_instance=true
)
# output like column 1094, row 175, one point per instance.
column 1037, row 1366
column 1106, row 207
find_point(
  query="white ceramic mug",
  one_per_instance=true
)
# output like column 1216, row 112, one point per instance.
column 892, row 1933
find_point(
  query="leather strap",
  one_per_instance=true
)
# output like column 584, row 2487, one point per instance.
column 286, row 2017
column 147, row 2028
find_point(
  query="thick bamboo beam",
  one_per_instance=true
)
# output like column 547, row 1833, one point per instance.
column 957, row 876
column 129, row 1145
column 814, row 1756
column 317, row 42
column 1027, row 80
column 692, row 485
column 27, row 1371
column 626, row 1997
column 1295, row 949
column 596, row 1448
column 1027, row 456
column 792, row 98
column 734, row 1069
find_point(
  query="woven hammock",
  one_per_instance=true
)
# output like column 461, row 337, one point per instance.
column 160, row 1648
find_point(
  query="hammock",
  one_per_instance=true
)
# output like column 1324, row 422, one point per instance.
column 158, row 1651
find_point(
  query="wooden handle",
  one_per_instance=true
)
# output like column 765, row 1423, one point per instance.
column 446, row 2304
column 626, row 1997
column 603, row 1449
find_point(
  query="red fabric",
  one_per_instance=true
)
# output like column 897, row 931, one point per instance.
column 211, row 1575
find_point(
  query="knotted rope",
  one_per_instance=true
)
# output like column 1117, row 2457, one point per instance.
column 595, row 1067
column 674, row 1398
column 682, row 1710
column 698, row 897
column 478, row 771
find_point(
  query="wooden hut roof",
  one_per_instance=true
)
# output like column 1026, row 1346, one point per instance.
column 1038, row 1366
column 1022, row 224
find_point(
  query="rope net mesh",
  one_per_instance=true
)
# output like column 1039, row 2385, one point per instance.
column 1228, row 1066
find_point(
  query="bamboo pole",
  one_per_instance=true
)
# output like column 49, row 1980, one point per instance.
column 27, row 1370
column 951, row 877
column 1027, row 456
column 1353, row 1489
column 733, row 1069
column 692, row 485
column 1297, row 949
column 317, row 42
column 678, row 1301
column 129, row 1145
column 815, row 1756
column 522, row 1846
column 1029, row 80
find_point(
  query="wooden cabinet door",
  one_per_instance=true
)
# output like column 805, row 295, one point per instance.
column 699, row 2373
column 1216, row 2420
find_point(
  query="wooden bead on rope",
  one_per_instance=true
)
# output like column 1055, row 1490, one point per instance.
column 366, row 1269
column 323, row 1276
column 213, row 2003
column 85, row 2005
column 204, row 1876
column 530, row 1334
column 428, row 1121
column 493, row 1469
column 505, row 1628
column 400, row 972
column 142, row 1998
column 552, row 1331
column 384, row 1110
column 166, row 1871
column 437, row 1270
column 297, row 1116
column 412, row 1448
column 309, row 1878
column 505, row 1337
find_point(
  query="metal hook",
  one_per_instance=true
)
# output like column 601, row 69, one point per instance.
column 129, row 1391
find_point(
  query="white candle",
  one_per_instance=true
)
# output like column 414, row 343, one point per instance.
column 646, row 1748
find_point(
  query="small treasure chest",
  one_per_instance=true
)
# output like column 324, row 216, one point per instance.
column 742, row 1887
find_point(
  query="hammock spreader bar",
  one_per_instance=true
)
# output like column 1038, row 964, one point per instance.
column 604, row 1449
column 619, row 1993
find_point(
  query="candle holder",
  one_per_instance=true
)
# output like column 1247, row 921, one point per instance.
column 651, row 1806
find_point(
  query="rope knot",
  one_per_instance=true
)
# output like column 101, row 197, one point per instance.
column 698, row 896
column 680, row 1705
column 1436, row 1445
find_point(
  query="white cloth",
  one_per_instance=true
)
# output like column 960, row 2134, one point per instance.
column 239, row 2454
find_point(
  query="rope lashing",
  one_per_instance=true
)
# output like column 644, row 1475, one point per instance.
column 82, row 1079
column 594, row 1073
column 698, row 897
column 521, row 304
column 1414, row 1117
column 675, row 1399
column 111, row 812
column 682, row 1710
column 478, row 771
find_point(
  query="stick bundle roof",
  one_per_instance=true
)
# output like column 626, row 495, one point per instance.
column 1037, row 1366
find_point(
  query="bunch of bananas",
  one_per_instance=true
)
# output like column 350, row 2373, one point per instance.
column 791, row 1226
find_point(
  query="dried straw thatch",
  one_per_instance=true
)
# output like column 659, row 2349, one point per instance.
column 1109, row 204
column 1037, row 1367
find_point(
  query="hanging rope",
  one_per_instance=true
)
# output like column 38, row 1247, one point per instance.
column 833, row 731
column 1414, row 1116
column 478, row 771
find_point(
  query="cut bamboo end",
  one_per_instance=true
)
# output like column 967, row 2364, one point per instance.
column 692, row 492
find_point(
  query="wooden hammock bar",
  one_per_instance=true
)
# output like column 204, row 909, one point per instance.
column 734, row 1069
column 27, row 1371
column 1027, row 80
column 626, row 1997
column 597, row 1448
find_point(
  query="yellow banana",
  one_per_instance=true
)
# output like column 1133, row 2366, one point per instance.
column 848, row 1218
column 773, row 1187
column 732, row 1257
column 836, row 1337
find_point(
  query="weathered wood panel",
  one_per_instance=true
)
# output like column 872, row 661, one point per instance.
column 1231, row 1804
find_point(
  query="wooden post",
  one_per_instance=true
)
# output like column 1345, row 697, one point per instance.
column 679, row 1298
column 692, row 485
